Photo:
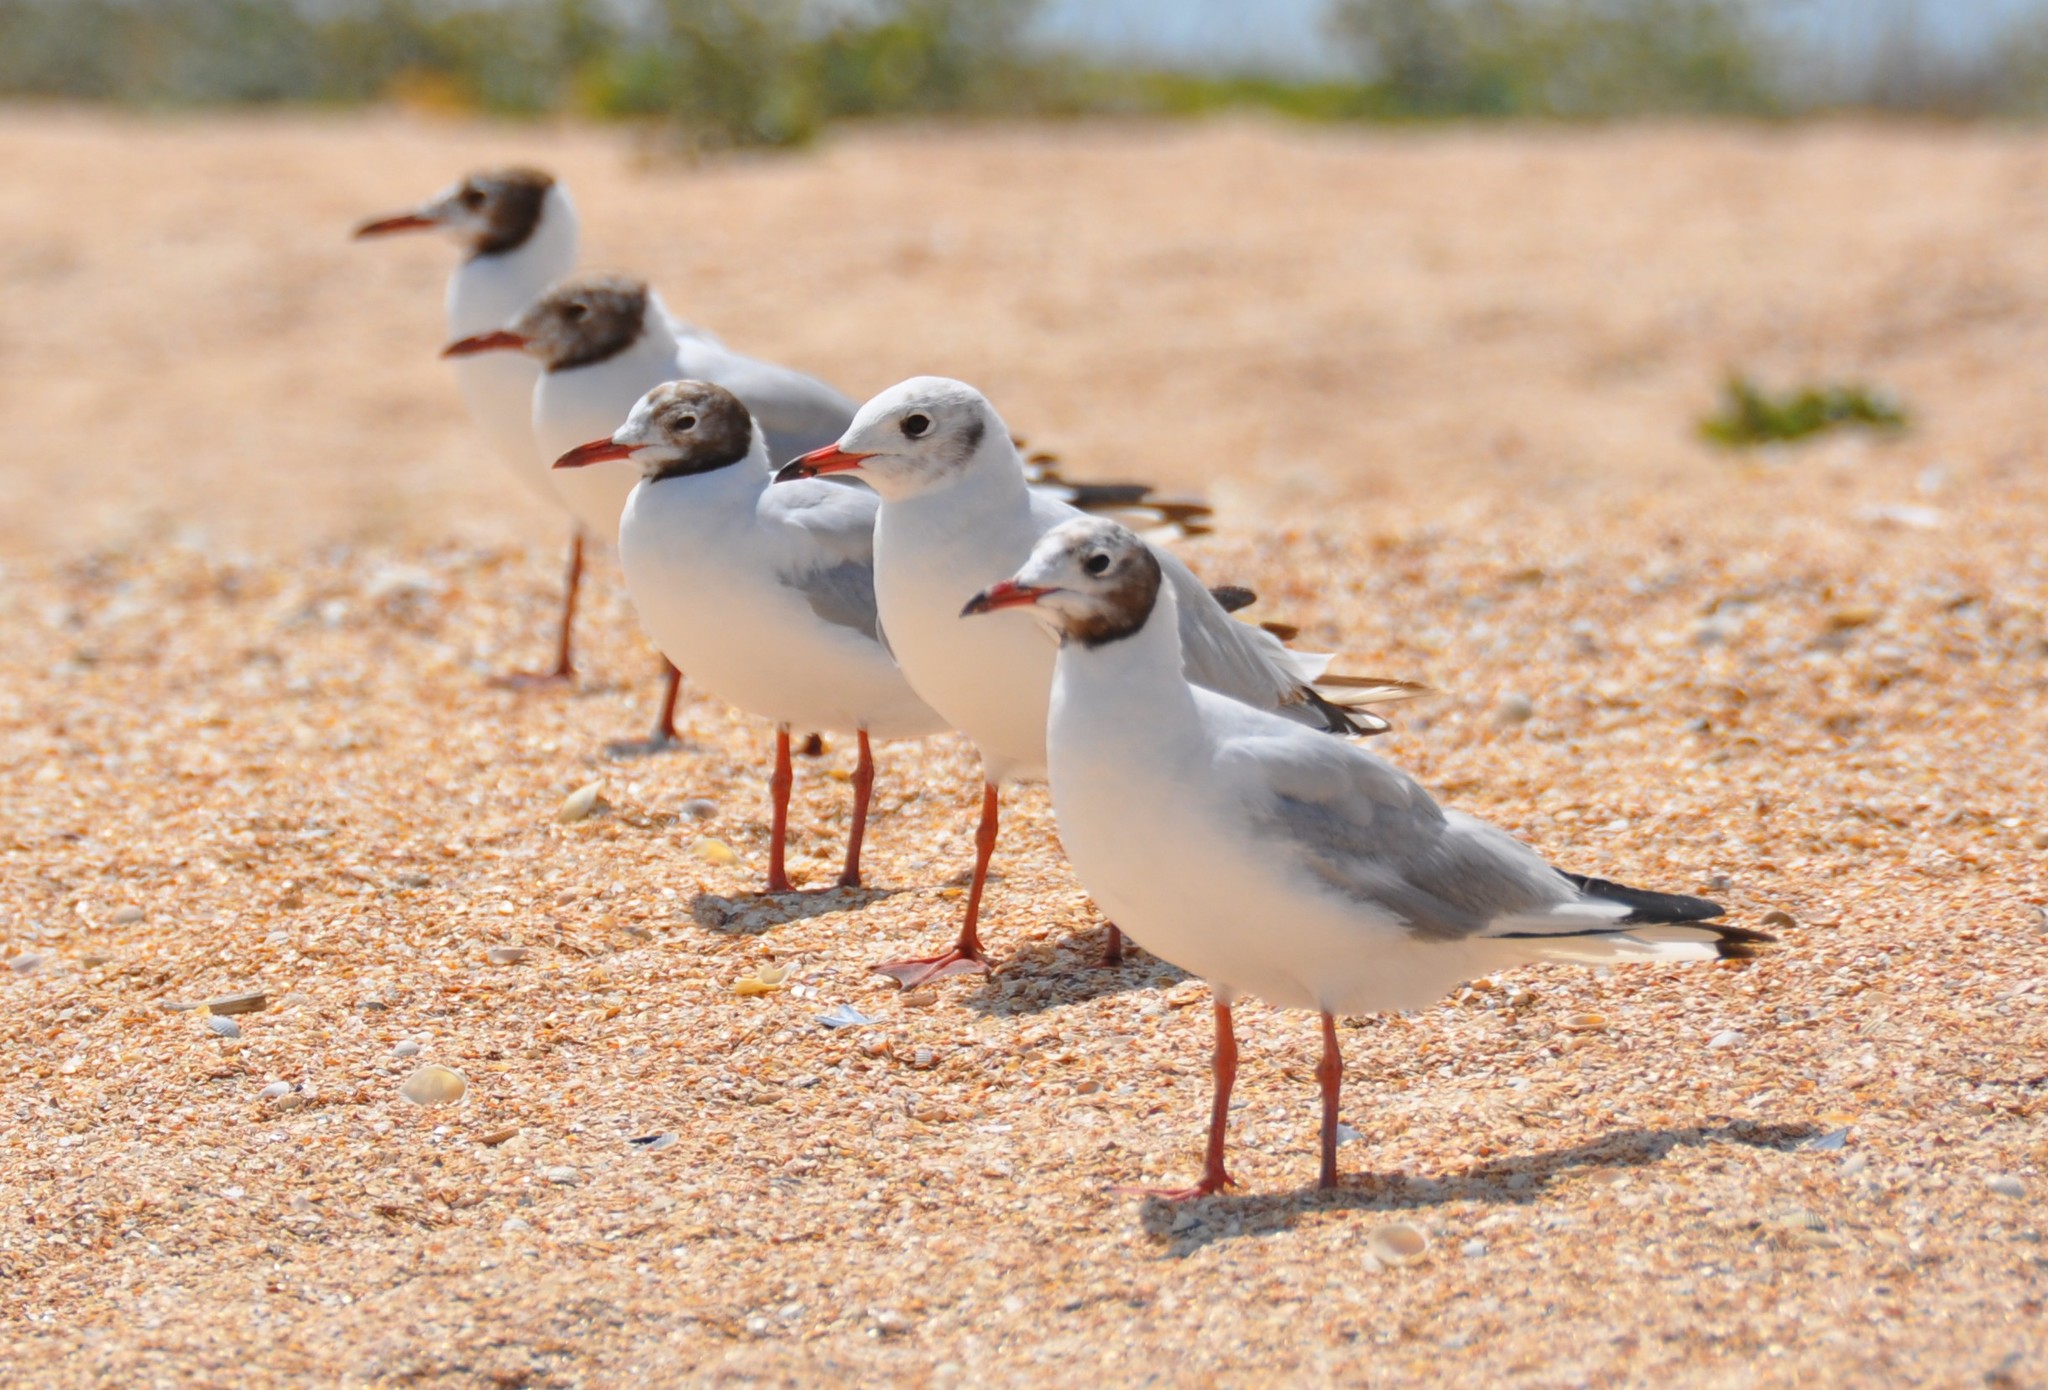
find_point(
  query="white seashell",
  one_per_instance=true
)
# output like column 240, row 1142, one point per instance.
column 408, row 1048
column 275, row 1089
column 578, row 805
column 226, row 1027
column 1727, row 1037
column 2006, row 1185
column 698, row 808
column 506, row 955
column 434, row 1085
column 1397, row 1243
column 125, row 916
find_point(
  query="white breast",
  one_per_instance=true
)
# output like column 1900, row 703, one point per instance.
column 703, row 580
column 990, row 677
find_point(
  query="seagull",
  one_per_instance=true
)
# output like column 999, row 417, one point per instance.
column 956, row 512
column 767, row 594
column 518, row 231
column 1269, row 861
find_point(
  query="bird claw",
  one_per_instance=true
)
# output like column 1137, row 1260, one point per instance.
column 1207, row 1187
column 912, row 973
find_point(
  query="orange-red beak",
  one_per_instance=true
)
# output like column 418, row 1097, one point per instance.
column 830, row 459
column 1008, row 594
column 596, row 451
column 404, row 222
column 497, row 340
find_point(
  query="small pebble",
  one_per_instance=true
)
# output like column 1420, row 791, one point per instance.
column 1472, row 1249
column 513, row 1226
column 890, row 1323
column 1778, row 917
column 434, row 1085
column 1727, row 1037
column 226, row 1027
column 1854, row 1163
column 1347, row 1135
column 506, row 955
column 698, row 808
column 920, row 999
column 26, row 964
column 125, row 916
column 578, row 805
column 562, row 1174
column 713, row 851
column 275, row 1089
column 2006, row 1185
column 408, row 1048
column 1513, row 709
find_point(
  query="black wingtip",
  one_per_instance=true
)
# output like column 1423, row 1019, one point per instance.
column 1231, row 597
column 1646, row 907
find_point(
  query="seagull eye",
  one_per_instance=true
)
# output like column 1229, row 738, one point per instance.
column 472, row 198
column 575, row 312
column 685, row 422
column 1096, row 564
column 917, row 426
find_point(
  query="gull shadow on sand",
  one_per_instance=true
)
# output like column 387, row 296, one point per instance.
column 1512, row 1180
column 756, row 913
column 1069, row 972
column 627, row 749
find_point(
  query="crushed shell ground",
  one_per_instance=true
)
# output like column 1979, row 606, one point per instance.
column 1442, row 388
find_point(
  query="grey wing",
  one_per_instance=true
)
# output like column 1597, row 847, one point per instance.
column 1357, row 826
column 1233, row 658
column 843, row 594
column 828, row 539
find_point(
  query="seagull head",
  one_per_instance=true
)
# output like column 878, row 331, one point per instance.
column 580, row 321
column 918, row 435
column 1088, row 580
column 676, row 430
column 487, row 213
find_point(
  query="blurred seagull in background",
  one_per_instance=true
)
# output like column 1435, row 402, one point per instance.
column 1304, row 870
column 518, row 232
column 766, row 594
column 956, row 513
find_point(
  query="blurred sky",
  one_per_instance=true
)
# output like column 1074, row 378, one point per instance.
column 1287, row 35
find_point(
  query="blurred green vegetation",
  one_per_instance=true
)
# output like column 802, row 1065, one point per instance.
column 776, row 71
column 1750, row 416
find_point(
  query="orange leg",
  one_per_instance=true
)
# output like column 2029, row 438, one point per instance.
column 1330, row 1076
column 565, row 666
column 863, row 788
column 778, row 789
column 1214, row 1176
column 665, row 721
column 966, row 957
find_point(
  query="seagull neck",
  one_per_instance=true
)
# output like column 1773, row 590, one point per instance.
column 1141, row 670
column 489, row 291
column 718, row 465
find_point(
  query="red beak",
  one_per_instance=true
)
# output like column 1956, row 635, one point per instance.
column 404, row 222
column 497, row 340
column 596, row 451
column 1008, row 594
column 830, row 459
